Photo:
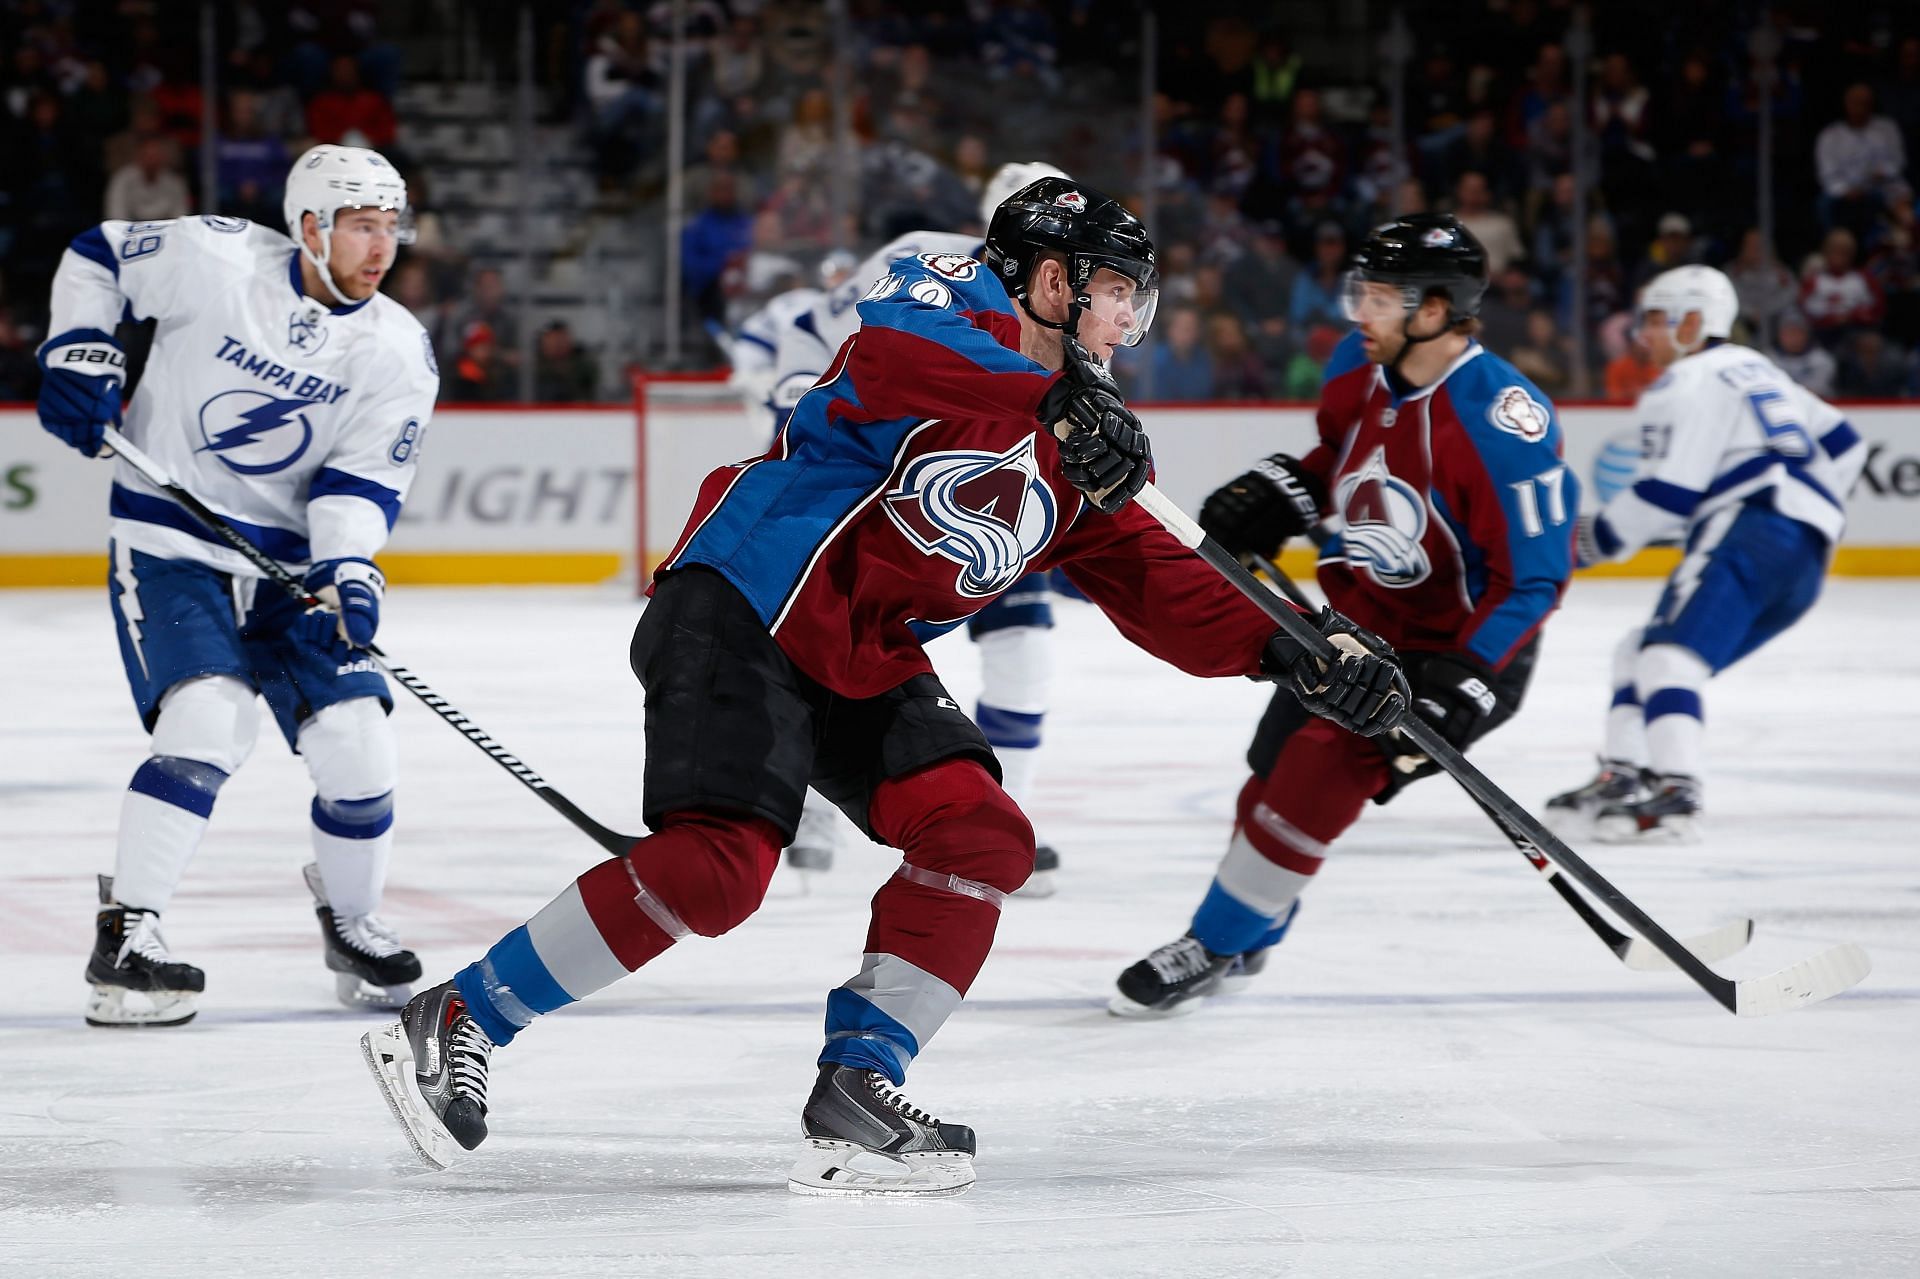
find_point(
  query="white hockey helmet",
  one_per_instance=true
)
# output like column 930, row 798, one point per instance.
column 837, row 266
column 1009, row 178
column 329, row 178
column 1686, row 290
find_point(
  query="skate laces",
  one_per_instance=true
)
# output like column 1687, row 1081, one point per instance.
column 469, row 1052
column 368, row 934
column 888, row 1096
column 1178, row 960
column 144, row 939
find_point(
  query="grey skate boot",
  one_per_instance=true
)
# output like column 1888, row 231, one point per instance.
column 1170, row 980
column 1617, row 782
column 862, row 1138
column 130, row 957
column 431, row 1066
column 1668, row 813
column 370, row 968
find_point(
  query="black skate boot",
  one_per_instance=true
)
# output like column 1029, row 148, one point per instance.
column 1617, row 782
column 371, row 969
column 862, row 1138
column 431, row 1066
column 1668, row 814
column 130, row 957
column 1040, row 884
column 1170, row 980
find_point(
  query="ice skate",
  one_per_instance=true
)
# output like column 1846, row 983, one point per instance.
column 862, row 1138
column 371, row 970
column 1617, row 782
column 1040, row 884
column 1668, row 814
column 814, row 840
column 431, row 1066
column 1243, row 968
column 130, row 958
column 1170, row 981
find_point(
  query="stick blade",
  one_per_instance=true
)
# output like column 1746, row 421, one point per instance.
column 1807, row 982
column 1643, row 956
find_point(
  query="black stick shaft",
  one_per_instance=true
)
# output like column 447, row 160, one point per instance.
column 611, row 840
column 1436, row 748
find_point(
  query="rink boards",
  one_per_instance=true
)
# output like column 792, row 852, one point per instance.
column 579, row 494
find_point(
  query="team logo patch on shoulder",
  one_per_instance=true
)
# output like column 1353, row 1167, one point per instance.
column 932, row 292
column 406, row 443
column 232, row 226
column 955, row 266
column 1071, row 200
column 884, row 287
column 1517, row 413
column 990, row 513
column 305, row 333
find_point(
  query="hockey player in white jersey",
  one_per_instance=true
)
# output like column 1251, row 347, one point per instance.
column 753, row 352
column 1016, row 658
column 290, row 397
column 1750, row 472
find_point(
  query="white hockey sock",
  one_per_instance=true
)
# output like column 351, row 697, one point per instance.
column 1626, row 718
column 1670, row 679
column 162, row 819
column 352, row 842
column 1016, row 677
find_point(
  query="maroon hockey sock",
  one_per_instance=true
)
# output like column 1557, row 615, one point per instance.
column 699, row 873
column 964, row 844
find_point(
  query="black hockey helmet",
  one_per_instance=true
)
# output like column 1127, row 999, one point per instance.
column 1425, row 254
column 1090, row 229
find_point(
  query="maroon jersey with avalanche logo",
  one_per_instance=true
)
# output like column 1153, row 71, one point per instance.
column 911, row 487
column 1453, row 506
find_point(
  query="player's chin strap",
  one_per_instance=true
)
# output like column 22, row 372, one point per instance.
column 320, row 263
column 1410, row 339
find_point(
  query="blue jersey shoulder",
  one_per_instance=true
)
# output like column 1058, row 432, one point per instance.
column 1507, row 416
column 1346, row 357
column 946, row 281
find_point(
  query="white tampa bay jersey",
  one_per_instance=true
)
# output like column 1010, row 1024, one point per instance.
column 807, row 344
column 1726, row 426
column 299, row 422
column 756, row 347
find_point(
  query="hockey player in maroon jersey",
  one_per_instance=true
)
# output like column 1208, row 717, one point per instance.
column 1439, row 468
column 919, row 479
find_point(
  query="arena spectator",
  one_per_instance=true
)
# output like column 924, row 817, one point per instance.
column 487, row 305
column 1308, row 367
column 1312, row 159
column 715, row 239
column 1544, row 356
column 1862, row 164
column 1871, row 368
column 1839, row 298
column 1316, row 291
column 479, row 372
column 151, row 188
column 1503, row 314
column 563, row 371
column 1899, row 93
column 1630, row 372
column 1762, row 281
column 250, row 166
column 1237, row 372
column 1182, row 367
column 1496, row 231
column 1803, row 359
column 1622, row 123
column 345, row 109
column 1259, row 288
column 1673, row 245
column 19, row 372
column 1895, row 267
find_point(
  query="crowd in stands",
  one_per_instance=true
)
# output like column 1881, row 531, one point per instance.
column 1267, row 165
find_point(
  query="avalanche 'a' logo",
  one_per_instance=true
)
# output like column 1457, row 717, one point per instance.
column 1385, row 519
column 987, row 512
column 254, row 433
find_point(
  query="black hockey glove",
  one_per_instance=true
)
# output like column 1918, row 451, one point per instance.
column 1364, row 692
column 1258, row 512
column 1104, row 453
column 1459, row 697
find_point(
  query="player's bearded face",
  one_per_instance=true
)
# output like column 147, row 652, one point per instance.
column 364, row 242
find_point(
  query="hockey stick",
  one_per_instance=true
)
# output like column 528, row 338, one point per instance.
column 611, row 840
column 1635, row 952
column 1811, row 980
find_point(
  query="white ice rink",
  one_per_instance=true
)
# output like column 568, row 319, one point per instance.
column 1442, row 1073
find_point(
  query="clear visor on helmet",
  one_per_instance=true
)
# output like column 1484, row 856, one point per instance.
column 402, row 230
column 1363, row 298
column 1125, row 294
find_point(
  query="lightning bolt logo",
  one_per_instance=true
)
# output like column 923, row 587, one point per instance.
column 131, row 614
column 244, row 429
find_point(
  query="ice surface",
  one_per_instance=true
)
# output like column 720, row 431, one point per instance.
column 1442, row 1072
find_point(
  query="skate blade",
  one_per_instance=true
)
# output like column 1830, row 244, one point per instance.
column 389, row 1055
column 108, row 1006
column 357, row 993
column 1039, row 884
column 1625, row 830
column 1133, row 1010
column 842, row 1168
